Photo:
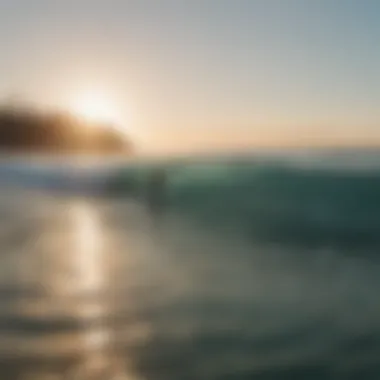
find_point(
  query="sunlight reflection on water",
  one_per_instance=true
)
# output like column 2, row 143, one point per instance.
column 89, row 250
column 59, row 312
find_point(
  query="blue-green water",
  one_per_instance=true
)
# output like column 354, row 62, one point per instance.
column 329, row 203
column 261, row 268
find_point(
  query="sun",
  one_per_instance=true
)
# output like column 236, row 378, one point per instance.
column 100, row 108
column 95, row 107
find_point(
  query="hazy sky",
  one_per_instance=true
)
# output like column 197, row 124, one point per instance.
column 204, row 72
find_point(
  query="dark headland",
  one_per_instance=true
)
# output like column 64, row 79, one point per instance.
column 27, row 130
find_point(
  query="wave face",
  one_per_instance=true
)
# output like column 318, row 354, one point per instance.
column 282, row 202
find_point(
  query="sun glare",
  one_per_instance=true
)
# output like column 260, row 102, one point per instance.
column 97, row 108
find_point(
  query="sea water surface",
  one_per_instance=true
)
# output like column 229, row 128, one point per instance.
column 264, row 267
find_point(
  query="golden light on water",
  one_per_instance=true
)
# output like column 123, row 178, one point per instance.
column 74, row 269
column 88, row 247
column 91, row 261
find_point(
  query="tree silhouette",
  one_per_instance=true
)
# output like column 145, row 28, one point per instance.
column 24, row 129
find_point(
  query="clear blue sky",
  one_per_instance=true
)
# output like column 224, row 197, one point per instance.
column 223, row 70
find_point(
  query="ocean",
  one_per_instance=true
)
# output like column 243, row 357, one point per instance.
column 263, row 266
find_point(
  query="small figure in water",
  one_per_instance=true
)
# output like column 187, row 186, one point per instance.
column 156, row 193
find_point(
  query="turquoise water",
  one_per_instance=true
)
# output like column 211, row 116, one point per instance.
column 263, row 267
column 331, row 202
column 289, row 206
